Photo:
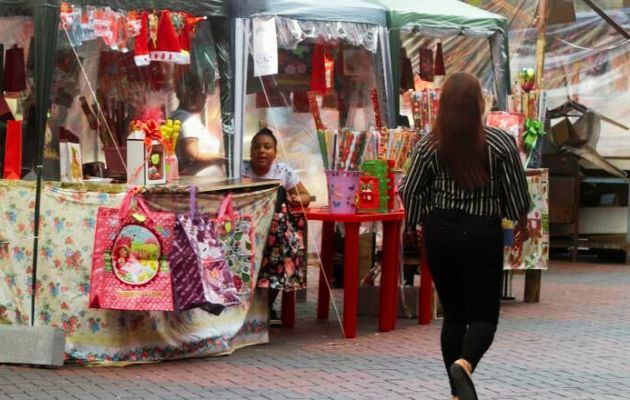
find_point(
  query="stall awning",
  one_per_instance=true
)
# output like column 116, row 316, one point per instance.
column 449, row 16
column 357, row 11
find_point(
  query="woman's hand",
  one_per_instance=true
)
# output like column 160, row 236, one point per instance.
column 297, row 200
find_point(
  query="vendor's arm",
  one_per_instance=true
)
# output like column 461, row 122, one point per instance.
column 299, row 196
column 191, row 148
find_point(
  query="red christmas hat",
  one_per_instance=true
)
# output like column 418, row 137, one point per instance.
column 141, row 56
column 167, row 47
column 188, row 32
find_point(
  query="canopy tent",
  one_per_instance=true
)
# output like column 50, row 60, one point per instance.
column 448, row 18
column 356, row 11
column 358, row 22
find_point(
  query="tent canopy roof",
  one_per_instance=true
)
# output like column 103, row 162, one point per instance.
column 442, row 15
column 210, row 8
column 357, row 11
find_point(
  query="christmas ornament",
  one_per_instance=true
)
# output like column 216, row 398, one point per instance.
column 527, row 79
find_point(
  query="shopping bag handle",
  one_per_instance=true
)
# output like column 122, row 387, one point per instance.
column 194, row 209
column 226, row 207
column 125, row 206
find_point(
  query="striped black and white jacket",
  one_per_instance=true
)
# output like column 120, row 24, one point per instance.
column 429, row 185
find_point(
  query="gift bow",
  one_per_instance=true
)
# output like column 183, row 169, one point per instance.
column 533, row 130
column 151, row 130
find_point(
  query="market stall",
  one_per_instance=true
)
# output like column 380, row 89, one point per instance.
column 430, row 39
column 102, row 70
column 336, row 51
column 417, row 28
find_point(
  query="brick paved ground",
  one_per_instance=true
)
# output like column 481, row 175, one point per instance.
column 573, row 346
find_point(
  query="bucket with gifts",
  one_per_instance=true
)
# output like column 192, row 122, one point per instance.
column 342, row 189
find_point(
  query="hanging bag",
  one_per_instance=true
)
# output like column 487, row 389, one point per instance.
column 224, row 247
column 130, row 267
column 188, row 290
column 236, row 236
column 284, row 259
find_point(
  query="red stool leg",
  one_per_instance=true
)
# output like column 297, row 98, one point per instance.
column 388, row 306
column 325, row 273
column 351, row 279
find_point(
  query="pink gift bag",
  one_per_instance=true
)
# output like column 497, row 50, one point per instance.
column 130, row 267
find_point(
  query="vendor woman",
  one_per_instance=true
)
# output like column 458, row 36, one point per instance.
column 198, row 151
column 263, row 165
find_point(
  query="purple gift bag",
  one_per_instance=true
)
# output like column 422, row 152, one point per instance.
column 214, row 269
column 188, row 291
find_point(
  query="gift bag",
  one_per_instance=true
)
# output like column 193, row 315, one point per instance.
column 284, row 259
column 236, row 236
column 217, row 277
column 188, row 285
column 130, row 267
column 13, row 150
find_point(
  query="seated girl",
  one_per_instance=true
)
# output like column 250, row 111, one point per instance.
column 263, row 165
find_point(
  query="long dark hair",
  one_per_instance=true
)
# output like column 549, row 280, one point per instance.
column 459, row 133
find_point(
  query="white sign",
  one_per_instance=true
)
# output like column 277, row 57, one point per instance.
column 265, row 49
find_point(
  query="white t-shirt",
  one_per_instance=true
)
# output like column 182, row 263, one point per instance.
column 279, row 170
column 193, row 128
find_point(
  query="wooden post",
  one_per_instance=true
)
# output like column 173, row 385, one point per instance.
column 533, row 278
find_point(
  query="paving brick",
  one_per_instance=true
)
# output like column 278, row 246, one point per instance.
column 570, row 346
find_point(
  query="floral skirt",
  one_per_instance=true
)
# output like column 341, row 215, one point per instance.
column 284, row 259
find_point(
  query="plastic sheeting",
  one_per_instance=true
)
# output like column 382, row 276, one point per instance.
column 113, row 74
column 411, row 23
column 291, row 32
column 587, row 61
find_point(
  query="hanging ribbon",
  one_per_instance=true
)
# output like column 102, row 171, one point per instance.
column 533, row 130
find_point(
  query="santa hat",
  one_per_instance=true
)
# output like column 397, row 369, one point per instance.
column 141, row 56
column 188, row 31
column 167, row 47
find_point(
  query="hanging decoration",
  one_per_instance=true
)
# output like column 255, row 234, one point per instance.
column 527, row 79
column 162, row 36
column 426, row 65
column 439, row 69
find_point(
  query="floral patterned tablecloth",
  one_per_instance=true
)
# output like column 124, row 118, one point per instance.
column 534, row 253
column 68, row 218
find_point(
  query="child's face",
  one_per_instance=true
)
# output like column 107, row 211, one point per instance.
column 262, row 152
column 123, row 252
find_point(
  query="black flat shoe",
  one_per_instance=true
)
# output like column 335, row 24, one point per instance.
column 463, row 384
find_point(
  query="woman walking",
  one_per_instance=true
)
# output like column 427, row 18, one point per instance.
column 463, row 179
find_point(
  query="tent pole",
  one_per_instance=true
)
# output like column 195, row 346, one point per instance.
column 541, row 42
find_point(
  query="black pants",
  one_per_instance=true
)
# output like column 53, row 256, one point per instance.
column 465, row 256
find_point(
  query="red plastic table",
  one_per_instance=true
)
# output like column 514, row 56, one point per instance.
column 392, row 222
